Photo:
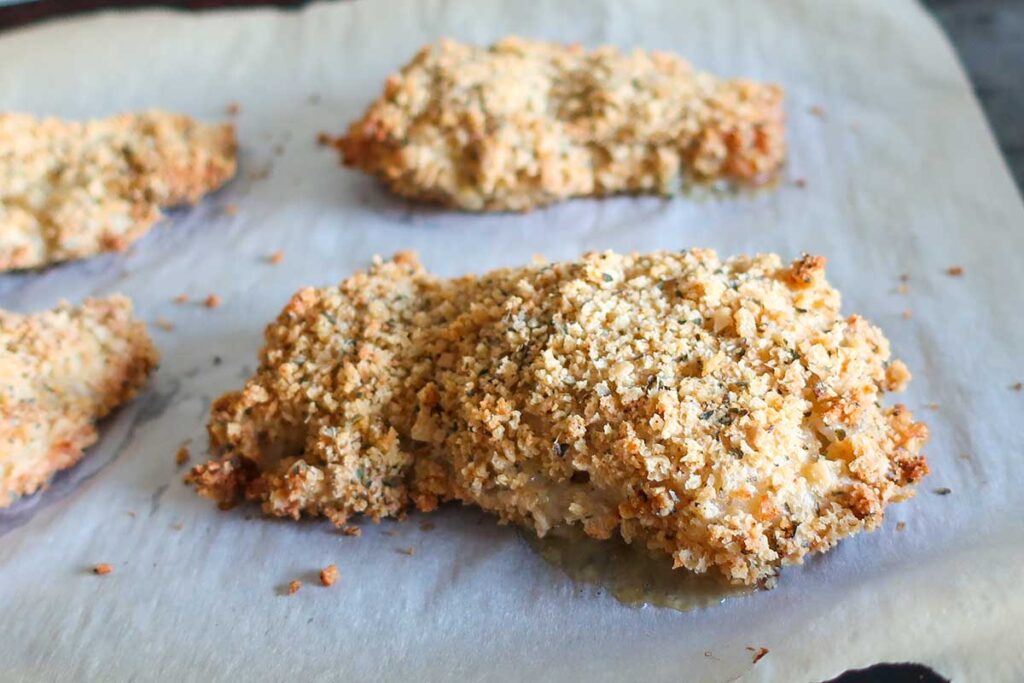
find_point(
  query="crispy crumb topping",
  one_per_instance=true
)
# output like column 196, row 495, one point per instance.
column 103, row 568
column 69, row 190
column 525, row 123
column 329, row 574
column 723, row 412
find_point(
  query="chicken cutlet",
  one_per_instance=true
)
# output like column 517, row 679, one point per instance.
column 61, row 371
column 721, row 411
column 522, row 123
column 69, row 190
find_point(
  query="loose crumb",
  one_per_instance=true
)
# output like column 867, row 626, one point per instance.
column 233, row 109
column 904, row 277
column 276, row 257
column 407, row 551
column 103, row 568
column 351, row 531
column 955, row 271
column 212, row 301
column 900, row 526
column 230, row 209
column 325, row 139
column 294, row 587
column 907, row 315
column 164, row 324
column 181, row 457
column 181, row 299
column 130, row 513
column 329, row 574
column 759, row 653
column 1017, row 387
column 903, row 289
column 800, row 182
column 932, row 406
column 817, row 110
column 943, row 491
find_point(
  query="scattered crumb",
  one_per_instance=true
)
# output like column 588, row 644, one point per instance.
column 212, row 301
column 351, row 531
column 932, row 406
column 800, row 182
column 707, row 653
column 903, row 289
column 230, row 209
column 943, row 491
column 900, row 526
column 294, row 587
column 276, row 257
column 427, row 526
column 1017, row 387
column 955, row 271
column 817, row 110
column 226, row 505
column 390, row 532
column 759, row 653
column 164, row 324
column 904, row 277
column 407, row 551
column 130, row 513
column 233, row 108
column 907, row 315
column 103, row 568
column 181, row 299
column 329, row 574
column 324, row 139
column 178, row 526
column 181, row 457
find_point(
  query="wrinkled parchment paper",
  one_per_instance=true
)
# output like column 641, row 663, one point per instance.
column 902, row 176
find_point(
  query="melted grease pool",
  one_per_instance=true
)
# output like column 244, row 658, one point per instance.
column 632, row 575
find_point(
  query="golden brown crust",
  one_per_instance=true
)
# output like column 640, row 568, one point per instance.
column 523, row 123
column 60, row 372
column 69, row 190
column 723, row 412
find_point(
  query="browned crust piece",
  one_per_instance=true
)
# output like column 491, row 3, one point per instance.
column 69, row 190
column 60, row 372
column 721, row 411
column 521, row 124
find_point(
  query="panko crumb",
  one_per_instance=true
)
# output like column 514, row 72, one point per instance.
column 353, row 531
column 407, row 551
column 182, row 456
column 329, row 574
column 212, row 301
column 900, row 526
column 276, row 257
column 294, row 587
column 521, row 124
column 955, row 271
column 721, row 411
column 63, row 370
column 907, row 315
column 165, row 324
column 1018, row 386
column 76, row 189
column 103, row 568
column 181, row 299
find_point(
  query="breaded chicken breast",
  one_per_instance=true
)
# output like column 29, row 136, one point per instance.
column 524, row 123
column 69, row 190
column 722, row 412
column 60, row 372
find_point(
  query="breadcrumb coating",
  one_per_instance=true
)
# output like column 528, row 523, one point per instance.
column 69, row 190
column 60, row 372
column 723, row 412
column 521, row 124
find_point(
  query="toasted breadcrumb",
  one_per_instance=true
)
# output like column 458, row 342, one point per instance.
column 294, row 587
column 722, row 412
column 903, row 289
column 955, row 271
column 817, row 110
column 1018, row 386
column 351, row 531
column 800, row 182
column 907, row 315
column 165, row 324
column 276, row 257
column 182, row 456
column 181, row 299
column 900, row 526
column 103, row 568
column 230, row 209
column 407, row 551
column 521, row 124
column 212, row 301
column 329, row 574
column 62, row 370
column 759, row 653
column 325, row 139
column 69, row 190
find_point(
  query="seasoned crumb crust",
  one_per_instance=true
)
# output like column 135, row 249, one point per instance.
column 69, row 190
column 724, row 412
column 524, row 123
column 60, row 372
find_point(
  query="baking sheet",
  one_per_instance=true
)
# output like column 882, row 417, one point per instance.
column 902, row 176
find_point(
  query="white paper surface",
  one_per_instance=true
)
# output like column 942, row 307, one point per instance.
column 902, row 177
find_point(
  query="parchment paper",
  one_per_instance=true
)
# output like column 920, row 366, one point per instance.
column 902, row 176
